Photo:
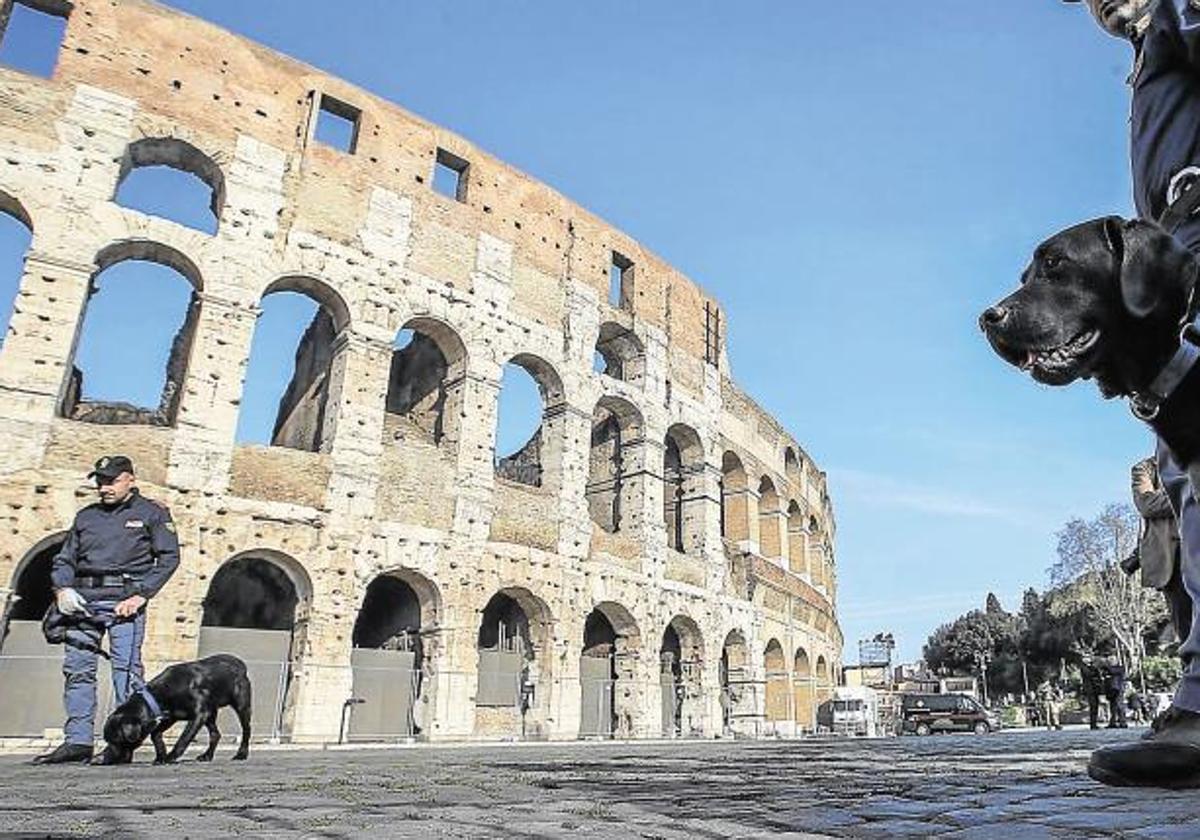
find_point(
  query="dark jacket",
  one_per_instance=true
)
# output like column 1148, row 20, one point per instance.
column 135, row 538
column 1165, row 115
column 1158, row 547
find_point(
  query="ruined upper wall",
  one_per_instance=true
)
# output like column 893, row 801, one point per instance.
column 185, row 72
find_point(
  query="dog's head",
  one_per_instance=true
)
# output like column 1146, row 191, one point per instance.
column 126, row 728
column 1100, row 299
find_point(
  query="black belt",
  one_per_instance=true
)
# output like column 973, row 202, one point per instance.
column 101, row 581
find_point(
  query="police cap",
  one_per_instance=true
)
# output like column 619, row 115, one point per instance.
column 111, row 466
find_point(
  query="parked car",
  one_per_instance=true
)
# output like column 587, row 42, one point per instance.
column 924, row 714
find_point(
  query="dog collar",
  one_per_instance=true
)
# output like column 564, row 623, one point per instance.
column 155, row 709
column 1145, row 405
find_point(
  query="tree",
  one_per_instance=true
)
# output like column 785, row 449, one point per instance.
column 1088, row 573
column 982, row 640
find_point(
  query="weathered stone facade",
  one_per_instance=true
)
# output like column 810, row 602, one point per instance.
column 664, row 519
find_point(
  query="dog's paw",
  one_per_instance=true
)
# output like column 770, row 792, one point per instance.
column 166, row 759
column 204, row 757
column 241, row 756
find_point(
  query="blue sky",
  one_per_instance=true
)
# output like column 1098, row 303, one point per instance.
column 855, row 183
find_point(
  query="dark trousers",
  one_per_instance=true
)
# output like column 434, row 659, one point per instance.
column 1179, row 604
column 1116, row 710
column 1093, row 701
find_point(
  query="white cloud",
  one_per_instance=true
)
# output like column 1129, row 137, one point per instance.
column 884, row 490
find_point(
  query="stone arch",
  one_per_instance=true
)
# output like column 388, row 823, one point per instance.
column 803, row 695
column 514, row 646
column 620, row 354
column 797, row 539
column 608, row 672
column 395, row 648
column 683, row 489
column 791, row 466
column 257, row 607
column 175, row 154
column 738, row 688
column 16, row 234
column 735, row 499
column 617, row 454
column 30, row 587
column 681, row 668
column 305, row 405
column 426, row 384
column 824, row 683
column 73, row 404
column 775, row 666
column 538, row 462
column 769, row 515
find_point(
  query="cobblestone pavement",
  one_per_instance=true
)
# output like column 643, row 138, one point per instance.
column 1008, row 786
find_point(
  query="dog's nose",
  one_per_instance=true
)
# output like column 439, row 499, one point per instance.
column 993, row 316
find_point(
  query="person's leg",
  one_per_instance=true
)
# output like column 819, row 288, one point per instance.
column 1094, row 710
column 1179, row 605
column 79, row 690
column 125, row 640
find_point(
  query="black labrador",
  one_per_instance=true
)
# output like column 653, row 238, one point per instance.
column 191, row 691
column 1107, row 300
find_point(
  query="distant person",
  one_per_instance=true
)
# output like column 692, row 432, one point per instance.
column 1092, row 687
column 1158, row 546
column 119, row 553
column 1050, row 702
column 1114, row 693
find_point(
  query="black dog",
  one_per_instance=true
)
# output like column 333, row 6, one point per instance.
column 1107, row 300
column 192, row 691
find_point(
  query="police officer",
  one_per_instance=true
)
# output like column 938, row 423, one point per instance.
column 1165, row 159
column 1114, row 693
column 118, row 554
column 1092, row 686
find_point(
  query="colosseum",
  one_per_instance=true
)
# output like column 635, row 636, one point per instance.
column 657, row 560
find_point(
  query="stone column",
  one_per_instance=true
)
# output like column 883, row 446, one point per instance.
column 353, row 427
column 206, row 423
column 35, row 360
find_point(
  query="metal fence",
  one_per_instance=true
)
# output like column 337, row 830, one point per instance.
column 31, row 684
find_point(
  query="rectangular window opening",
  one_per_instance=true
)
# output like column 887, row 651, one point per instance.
column 32, row 35
column 337, row 124
column 450, row 175
column 620, row 282
column 712, row 334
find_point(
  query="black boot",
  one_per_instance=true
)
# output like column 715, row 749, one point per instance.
column 66, row 754
column 1168, row 757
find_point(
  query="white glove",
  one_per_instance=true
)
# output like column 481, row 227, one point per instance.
column 70, row 602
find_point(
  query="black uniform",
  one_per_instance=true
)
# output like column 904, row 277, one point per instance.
column 128, row 549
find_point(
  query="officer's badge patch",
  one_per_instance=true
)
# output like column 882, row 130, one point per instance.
column 135, row 523
column 170, row 526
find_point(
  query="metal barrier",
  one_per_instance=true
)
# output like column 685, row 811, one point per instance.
column 31, row 689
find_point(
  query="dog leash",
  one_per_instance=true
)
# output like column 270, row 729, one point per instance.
column 151, row 703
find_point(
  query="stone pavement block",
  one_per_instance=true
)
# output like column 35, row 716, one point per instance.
column 1105, row 820
column 897, row 828
column 1174, row 831
column 1009, row 831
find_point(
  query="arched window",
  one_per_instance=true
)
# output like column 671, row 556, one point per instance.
column 735, row 499
column 16, row 231
column 527, row 433
column 286, row 392
column 172, row 179
column 425, row 384
column 620, row 354
column 130, row 359
column 683, row 488
column 775, row 665
column 513, row 647
column 611, row 493
column 768, row 518
column 610, row 642
column 797, row 543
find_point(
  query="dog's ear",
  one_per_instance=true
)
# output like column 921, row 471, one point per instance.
column 1144, row 255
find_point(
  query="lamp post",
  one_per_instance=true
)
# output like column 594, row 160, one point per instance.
column 982, row 658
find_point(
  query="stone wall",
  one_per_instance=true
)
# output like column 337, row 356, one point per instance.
column 400, row 482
